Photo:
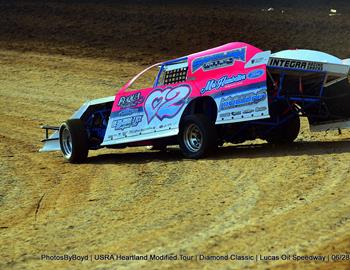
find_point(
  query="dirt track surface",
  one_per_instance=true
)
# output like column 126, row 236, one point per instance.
column 247, row 199
column 250, row 199
column 154, row 30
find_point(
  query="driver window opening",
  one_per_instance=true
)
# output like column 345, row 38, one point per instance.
column 146, row 80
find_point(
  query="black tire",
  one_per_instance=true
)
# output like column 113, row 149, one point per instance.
column 285, row 133
column 207, row 136
column 74, row 141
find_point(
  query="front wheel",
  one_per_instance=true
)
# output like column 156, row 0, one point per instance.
column 197, row 136
column 74, row 141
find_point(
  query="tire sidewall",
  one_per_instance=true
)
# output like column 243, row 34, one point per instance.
column 79, row 138
column 208, row 133
column 62, row 128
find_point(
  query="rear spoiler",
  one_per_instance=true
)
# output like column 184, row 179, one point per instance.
column 309, row 61
column 334, row 69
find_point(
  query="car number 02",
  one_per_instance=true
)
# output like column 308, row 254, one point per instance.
column 166, row 103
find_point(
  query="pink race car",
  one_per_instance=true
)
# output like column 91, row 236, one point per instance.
column 231, row 93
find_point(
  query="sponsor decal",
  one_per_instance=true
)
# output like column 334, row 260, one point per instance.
column 166, row 103
column 259, row 109
column 248, row 111
column 131, row 100
column 165, row 126
column 223, row 115
column 126, row 112
column 127, row 122
column 242, row 100
column 258, row 59
column 219, row 60
column 295, row 64
column 222, row 82
column 229, row 114
column 254, row 74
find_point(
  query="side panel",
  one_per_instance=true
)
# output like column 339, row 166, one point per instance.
column 147, row 114
column 243, row 104
column 233, row 74
column 236, row 78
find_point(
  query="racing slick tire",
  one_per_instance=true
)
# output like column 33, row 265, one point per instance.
column 74, row 141
column 285, row 133
column 197, row 136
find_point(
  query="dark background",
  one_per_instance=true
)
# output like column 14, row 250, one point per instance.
column 148, row 31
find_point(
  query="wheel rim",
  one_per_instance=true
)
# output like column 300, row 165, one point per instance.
column 66, row 142
column 193, row 138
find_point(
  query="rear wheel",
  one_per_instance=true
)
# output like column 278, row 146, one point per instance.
column 74, row 141
column 286, row 133
column 197, row 136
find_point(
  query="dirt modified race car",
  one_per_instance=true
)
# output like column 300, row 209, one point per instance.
column 232, row 93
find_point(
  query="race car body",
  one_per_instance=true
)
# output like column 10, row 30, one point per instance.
column 231, row 93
